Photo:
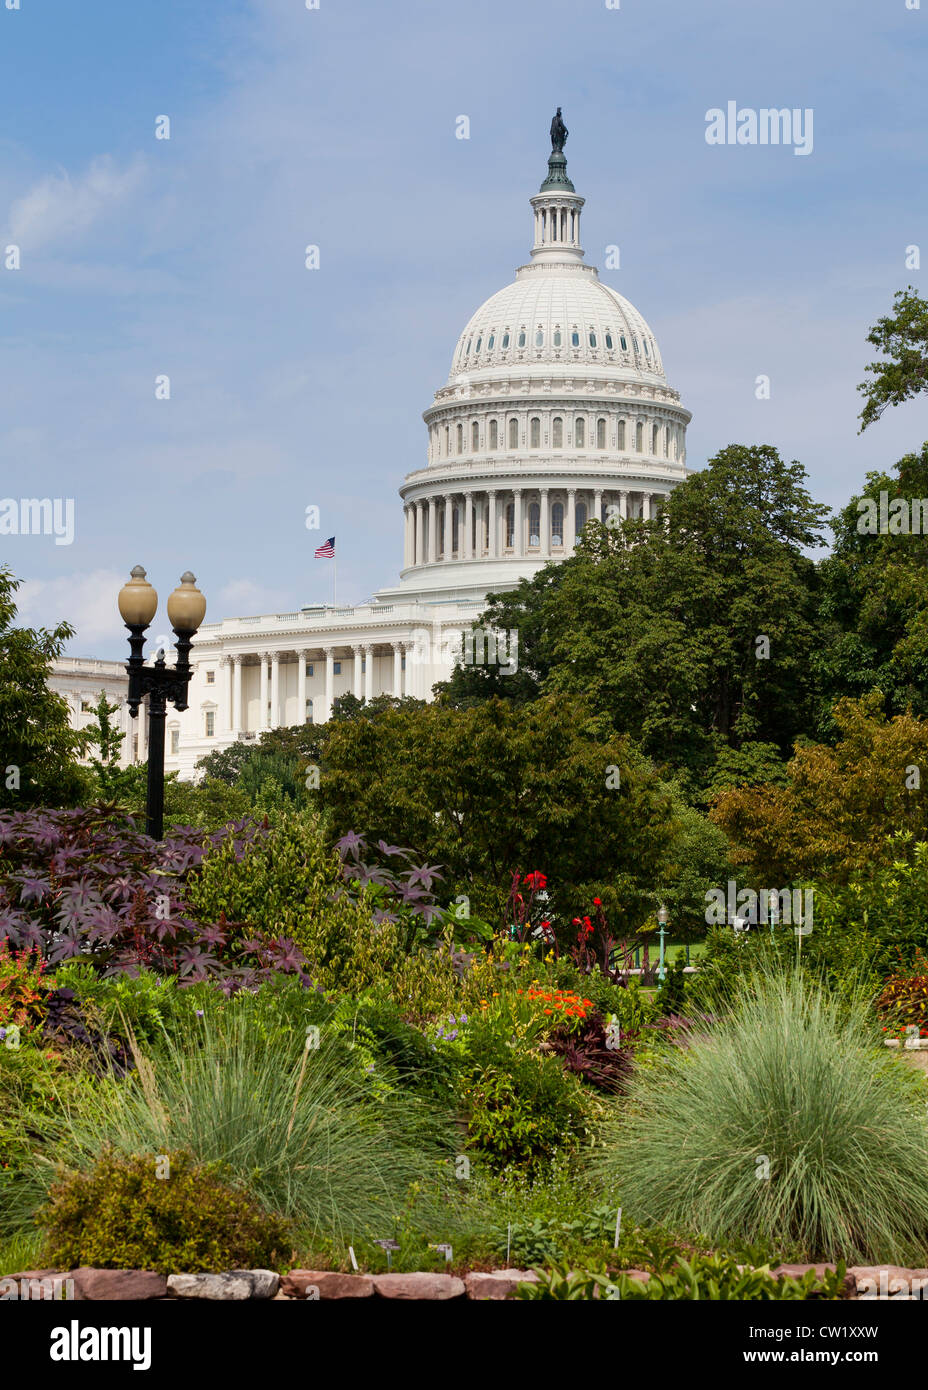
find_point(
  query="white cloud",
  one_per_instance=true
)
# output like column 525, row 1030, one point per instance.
column 59, row 207
column 244, row 596
column 87, row 600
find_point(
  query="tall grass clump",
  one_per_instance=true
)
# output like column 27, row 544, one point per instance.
column 792, row 1082
column 298, row 1128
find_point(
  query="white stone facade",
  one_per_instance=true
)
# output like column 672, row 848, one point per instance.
column 556, row 411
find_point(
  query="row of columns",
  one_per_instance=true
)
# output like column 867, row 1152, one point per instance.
column 421, row 528
column 269, row 682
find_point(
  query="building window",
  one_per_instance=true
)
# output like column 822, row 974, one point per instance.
column 467, row 349
column 557, row 523
column 403, row 662
column 646, row 352
column 609, row 341
column 557, row 337
column 474, row 437
column 479, row 344
column 592, row 338
column 540, row 338
column 513, row 434
column 491, row 341
column 534, row 524
column 309, row 668
column 510, row 524
column 600, row 434
column 460, row 439
column 494, row 435
column 447, row 440
column 86, row 706
column 654, row 434
column 505, row 342
column 210, row 723
column 624, row 343
column 308, row 715
column 575, row 339
column 522, row 338
column 667, row 443
column 639, row 436
column 175, row 741
column 581, row 516
column 211, row 678
column 455, row 528
column 580, row 432
column 363, row 664
column 557, row 432
column 535, row 432
column 336, row 668
column 621, row 434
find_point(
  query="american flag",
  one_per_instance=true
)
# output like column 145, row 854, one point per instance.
column 327, row 551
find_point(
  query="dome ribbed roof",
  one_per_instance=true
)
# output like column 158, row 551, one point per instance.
column 567, row 316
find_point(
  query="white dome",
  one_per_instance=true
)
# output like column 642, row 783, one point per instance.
column 558, row 314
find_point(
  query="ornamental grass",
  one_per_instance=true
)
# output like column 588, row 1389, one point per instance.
column 786, row 1122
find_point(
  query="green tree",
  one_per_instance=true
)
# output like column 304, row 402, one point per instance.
column 874, row 594
column 497, row 788
column 690, row 632
column 38, row 747
column 902, row 337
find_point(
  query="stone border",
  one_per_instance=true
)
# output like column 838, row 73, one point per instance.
column 238, row 1285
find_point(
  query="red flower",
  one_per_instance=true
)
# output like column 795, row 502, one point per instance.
column 597, row 902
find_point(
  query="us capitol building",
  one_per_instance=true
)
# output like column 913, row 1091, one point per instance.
column 555, row 409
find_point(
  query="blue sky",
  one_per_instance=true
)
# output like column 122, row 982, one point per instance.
column 336, row 127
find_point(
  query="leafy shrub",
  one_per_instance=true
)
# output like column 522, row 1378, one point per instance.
column 594, row 1056
column 704, row 1277
column 123, row 1215
column 22, row 987
column 904, row 1000
column 784, row 1121
column 521, row 1107
column 76, row 884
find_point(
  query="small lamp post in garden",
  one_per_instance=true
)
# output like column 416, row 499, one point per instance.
column 138, row 603
column 662, row 932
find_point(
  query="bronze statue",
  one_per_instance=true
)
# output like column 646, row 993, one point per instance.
column 558, row 133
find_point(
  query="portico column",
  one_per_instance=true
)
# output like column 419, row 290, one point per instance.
column 301, row 688
column 447, row 551
column 494, row 526
column 236, row 694
column 329, row 684
column 545, row 536
column 623, row 505
column 262, row 712
column 368, row 673
column 464, row 542
column 397, row 669
column 409, row 682
column 517, row 521
column 570, row 520
column 646, row 505
column 433, row 538
column 406, row 515
column 420, row 537
column 356, row 687
column 275, row 690
column 598, row 504
column 225, row 666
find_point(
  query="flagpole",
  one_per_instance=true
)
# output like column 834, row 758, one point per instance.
column 334, row 579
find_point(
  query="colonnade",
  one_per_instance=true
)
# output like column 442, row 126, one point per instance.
column 513, row 523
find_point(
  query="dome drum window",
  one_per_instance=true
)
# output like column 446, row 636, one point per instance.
column 580, row 432
column 505, row 342
column 534, row 524
column 557, row 432
column 474, row 437
column 494, row 435
column 513, row 433
column 600, row 434
column 557, row 523
column 535, row 433
column 522, row 338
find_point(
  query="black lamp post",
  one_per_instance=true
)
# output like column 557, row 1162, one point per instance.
column 138, row 603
